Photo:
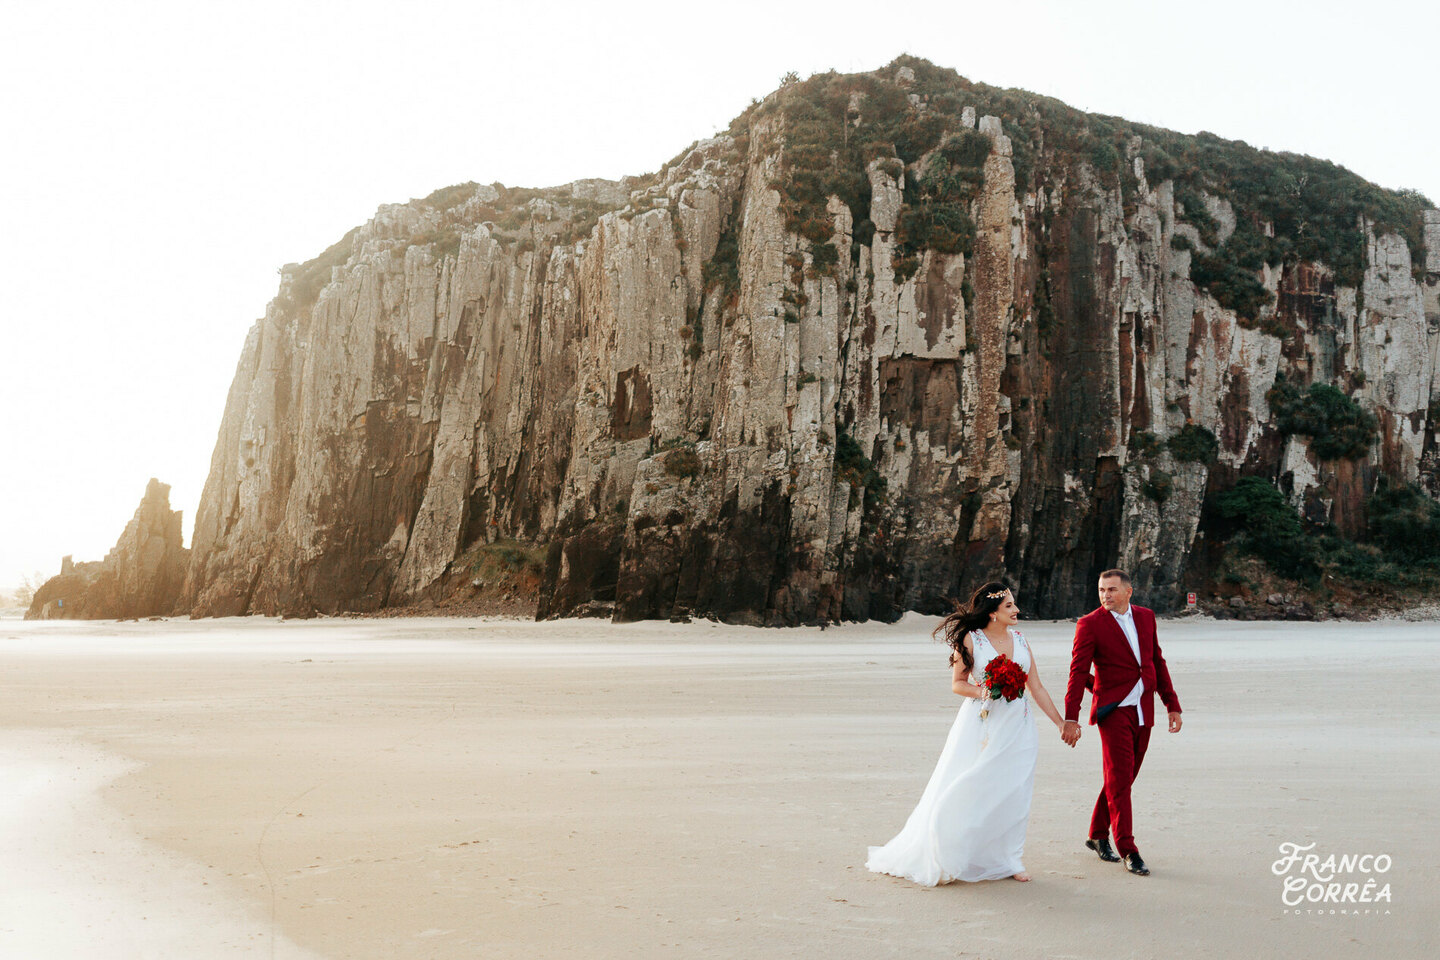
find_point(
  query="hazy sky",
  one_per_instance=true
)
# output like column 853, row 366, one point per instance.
column 160, row 161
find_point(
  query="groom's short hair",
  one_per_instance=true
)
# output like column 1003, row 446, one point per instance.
column 1117, row 572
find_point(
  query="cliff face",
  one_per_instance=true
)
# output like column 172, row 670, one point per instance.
column 141, row 576
column 696, row 407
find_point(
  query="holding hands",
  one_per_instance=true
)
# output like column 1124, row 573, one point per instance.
column 1070, row 729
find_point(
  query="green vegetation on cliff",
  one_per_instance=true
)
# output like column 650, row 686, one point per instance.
column 856, row 469
column 309, row 278
column 1194, row 444
column 1336, row 424
column 1405, row 523
column 1401, row 548
column 1287, row 207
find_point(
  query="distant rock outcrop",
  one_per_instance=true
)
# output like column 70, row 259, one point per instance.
column 140, row 577
column 889, row 335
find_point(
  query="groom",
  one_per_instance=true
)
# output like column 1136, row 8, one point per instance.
column 1119, row 640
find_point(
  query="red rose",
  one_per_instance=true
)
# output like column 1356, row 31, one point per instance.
column 1004, row 678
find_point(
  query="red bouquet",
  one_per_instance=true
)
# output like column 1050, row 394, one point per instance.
column 1004, row 678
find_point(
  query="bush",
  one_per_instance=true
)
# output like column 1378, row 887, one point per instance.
column 310, row 277
column 722, row 270
column 904, row 266
column 816, row 229
column 504, row 557
column 1404, row 522
column 1194, row 444
column 1233, row 286
column 1044, row 308
column 446, row 242
column 1196, row 214
column 1336, row 424
column 1257, row 506
column 1159, row 165
column 1104, row 157
column 1269, row 528
column 1404, row 535
column 941, row 226
column 824, row 257
column 1158, row 485
column 447, row 197
column 682, row 462
column 1144, row 444
column 916, row 134
column 969, row 149
column 864, row 235
column 852, row 466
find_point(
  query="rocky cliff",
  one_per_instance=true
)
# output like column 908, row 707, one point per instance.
column 140, row 577
column 891, row 334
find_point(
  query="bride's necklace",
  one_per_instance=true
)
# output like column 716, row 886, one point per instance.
column 991, row 640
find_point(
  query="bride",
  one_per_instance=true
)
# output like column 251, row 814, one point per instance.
column 970, row 821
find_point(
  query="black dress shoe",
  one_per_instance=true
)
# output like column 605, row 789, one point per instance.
column 1101, row 845
column 1135, row 865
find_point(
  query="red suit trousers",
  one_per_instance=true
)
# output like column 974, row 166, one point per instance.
column 1122, row 746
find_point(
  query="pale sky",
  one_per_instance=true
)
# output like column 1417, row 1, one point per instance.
column 160, row 161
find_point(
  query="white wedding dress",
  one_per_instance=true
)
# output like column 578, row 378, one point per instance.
column 970, row 821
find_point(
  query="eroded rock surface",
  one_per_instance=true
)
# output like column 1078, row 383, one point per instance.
column 653, row 379
column 141, row 576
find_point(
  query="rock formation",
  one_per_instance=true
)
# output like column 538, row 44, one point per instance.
column 775, row 386
column 140, row 577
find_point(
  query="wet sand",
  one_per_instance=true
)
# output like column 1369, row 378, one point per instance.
column 434, row 788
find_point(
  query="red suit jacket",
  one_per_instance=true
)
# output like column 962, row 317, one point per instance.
column 1100, row 641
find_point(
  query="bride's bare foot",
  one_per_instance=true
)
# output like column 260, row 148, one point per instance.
column 1022, row 876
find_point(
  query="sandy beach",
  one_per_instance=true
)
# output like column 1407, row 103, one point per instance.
column 458, row 788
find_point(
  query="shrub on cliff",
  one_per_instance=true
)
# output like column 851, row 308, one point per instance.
column 682, row 462
column 447, row 197
column 501, row 556
column 936, row 215
column 722, row 270
column 1191, row 208
column 1157, row 485
column 967, row 151
column 310, row 277
column 1230, row 273
column 1268, row 527
column 1194, row 444
column 1336, row 425
column 1104, row 157
column 824, row 257
column 852, row 466
column 1144, row 444
column 1404, row 535
column 1404, row 522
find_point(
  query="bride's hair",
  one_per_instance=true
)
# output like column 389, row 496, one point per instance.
column 974, row 615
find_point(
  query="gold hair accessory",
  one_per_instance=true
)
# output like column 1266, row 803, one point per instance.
column 992, row 596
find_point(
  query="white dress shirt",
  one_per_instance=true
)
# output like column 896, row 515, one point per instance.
column 1127, row 627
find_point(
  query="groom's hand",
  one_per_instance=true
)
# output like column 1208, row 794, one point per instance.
column 1071, row 733
column 1174, row 722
